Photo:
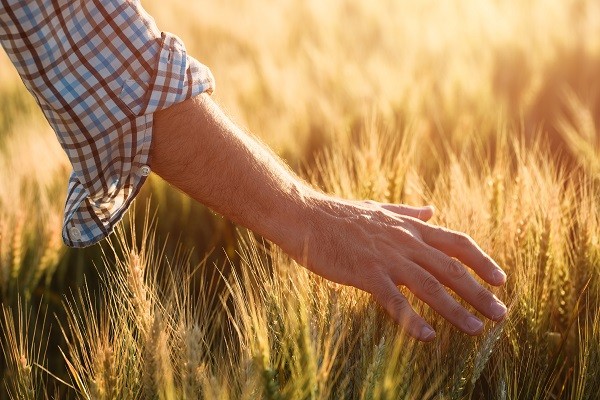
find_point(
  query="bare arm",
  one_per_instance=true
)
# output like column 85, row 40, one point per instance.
column 372, row 246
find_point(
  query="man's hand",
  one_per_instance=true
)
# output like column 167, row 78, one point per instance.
column 378, row 247
column 374, row 247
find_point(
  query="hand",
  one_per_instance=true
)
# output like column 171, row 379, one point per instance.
column 374, row 247
column 378, row 247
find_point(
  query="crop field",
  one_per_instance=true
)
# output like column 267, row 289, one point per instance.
column 488, row 110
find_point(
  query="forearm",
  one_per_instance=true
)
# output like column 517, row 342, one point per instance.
column 198, row 149
column 372, row 246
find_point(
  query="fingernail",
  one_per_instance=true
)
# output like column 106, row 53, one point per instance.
column 474, row 324
column 427, row 333
column 431, row 208
column 499, row 276
column 497, row 309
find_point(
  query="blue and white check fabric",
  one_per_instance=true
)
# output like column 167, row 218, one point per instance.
column 99, row 69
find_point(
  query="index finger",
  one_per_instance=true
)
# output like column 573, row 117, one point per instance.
column 463, row 247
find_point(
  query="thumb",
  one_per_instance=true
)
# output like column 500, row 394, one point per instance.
column 424, row 213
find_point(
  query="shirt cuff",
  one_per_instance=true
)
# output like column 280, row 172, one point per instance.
column 91, row 216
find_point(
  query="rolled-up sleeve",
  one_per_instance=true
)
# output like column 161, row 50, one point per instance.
column 99, row 70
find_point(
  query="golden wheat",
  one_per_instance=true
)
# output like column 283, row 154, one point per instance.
column 489, row 111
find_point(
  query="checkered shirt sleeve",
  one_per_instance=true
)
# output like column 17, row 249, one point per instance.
column 99, row 69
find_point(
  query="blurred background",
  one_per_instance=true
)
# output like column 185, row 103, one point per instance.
column 309, row 78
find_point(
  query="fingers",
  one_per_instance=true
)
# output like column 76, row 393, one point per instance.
column 427, row 265
column 423, row 213
column 397, row 306
column 454, row 275
column 461, row 246
column 430, row 290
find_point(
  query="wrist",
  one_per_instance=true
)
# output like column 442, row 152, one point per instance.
column 291, row 227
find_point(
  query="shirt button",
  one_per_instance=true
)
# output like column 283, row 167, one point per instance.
column 145, row 170
column 75, row 233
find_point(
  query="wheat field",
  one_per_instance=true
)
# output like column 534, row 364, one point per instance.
column 490, row 111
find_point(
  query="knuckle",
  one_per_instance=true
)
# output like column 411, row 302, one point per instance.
column 431, row 285
column 409, row 238
column 398, row 308
column 457, row 311
column 463, row 240
column 455, row 268
column 397, row 304
column 483, row 296
column 384, row 217
column 411, row 242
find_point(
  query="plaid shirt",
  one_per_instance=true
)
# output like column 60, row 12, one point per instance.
column 99, row 69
